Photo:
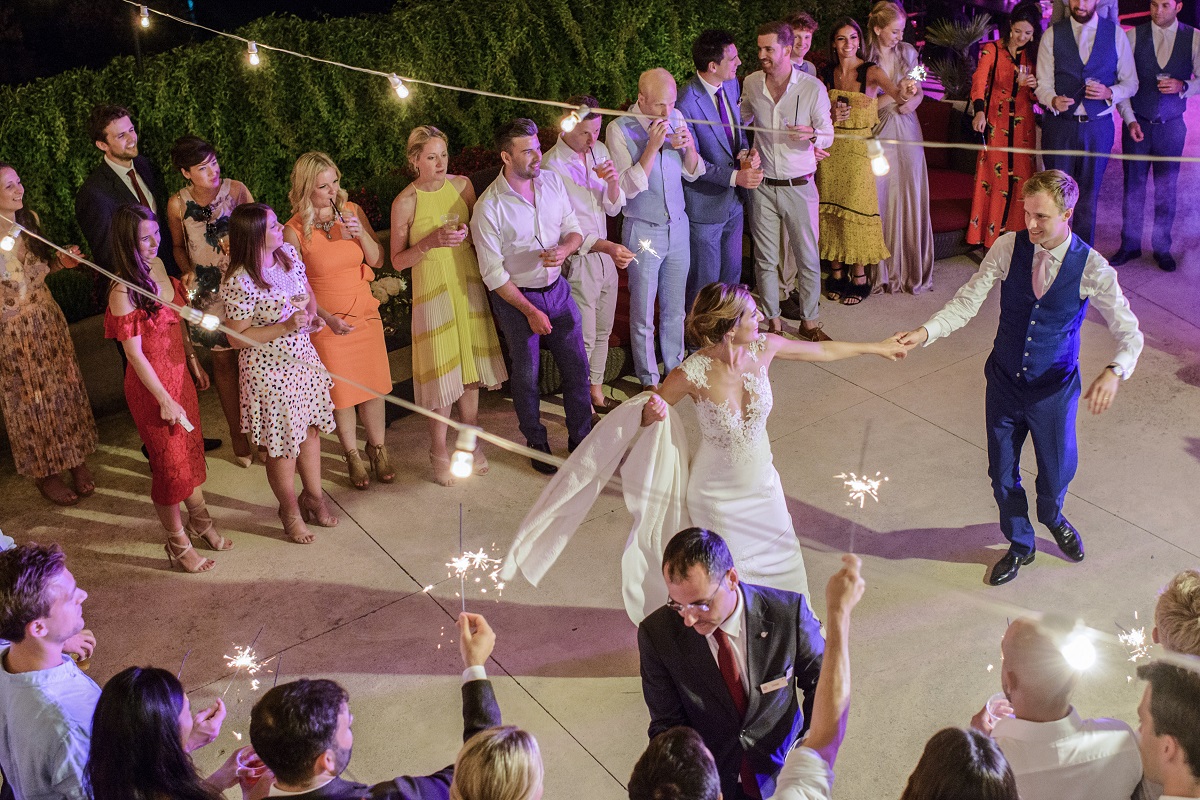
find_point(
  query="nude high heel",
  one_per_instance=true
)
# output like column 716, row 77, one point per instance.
column 200, row 526
column 314, row 509
column 176, row 554
column 295, row 529
column 381, row 463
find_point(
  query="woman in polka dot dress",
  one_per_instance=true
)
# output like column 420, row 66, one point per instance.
column 284, row 389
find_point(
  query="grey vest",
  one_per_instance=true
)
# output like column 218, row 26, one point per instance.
column 662, row 202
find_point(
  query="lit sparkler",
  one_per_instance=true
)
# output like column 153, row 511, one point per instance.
column 918, row 73
column 1134, row 641
column 862, row 488
column 478, row 565
column 645, row 246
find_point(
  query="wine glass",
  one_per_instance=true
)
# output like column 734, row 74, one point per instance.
column 300, row 302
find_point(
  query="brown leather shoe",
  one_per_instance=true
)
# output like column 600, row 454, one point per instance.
column 812, row 334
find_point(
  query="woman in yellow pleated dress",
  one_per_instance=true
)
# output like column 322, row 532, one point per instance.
column 455, row 347
column 851, row 229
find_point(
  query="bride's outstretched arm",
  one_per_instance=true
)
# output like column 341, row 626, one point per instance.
column 673, row 389
column 890, row 349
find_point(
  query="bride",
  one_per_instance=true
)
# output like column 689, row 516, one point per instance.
column 731, row 485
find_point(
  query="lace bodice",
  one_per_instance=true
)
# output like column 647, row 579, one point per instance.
column 724, row 426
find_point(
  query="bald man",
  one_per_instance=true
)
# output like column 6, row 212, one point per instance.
column 654, row 152
column 1054, row 753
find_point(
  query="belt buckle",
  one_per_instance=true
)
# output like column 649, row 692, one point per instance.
column 1082, row 118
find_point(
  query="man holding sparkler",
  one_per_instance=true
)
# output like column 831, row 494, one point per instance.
column 1048, row 275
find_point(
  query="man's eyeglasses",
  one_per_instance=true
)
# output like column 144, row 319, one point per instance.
column 703, row 607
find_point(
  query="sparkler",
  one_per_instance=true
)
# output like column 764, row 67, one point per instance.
column 243, row 658
column 862, row 488
column 644, row 246
column 1134, row 641
column 918, row 73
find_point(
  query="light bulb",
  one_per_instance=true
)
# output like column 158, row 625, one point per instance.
column 879, row 162
column 569, row 122
column 398, row 85
column 252, row 54
column 1079, row 652
column 144, row 15
column 210, row 322
column 10, row 239
column 462, row 462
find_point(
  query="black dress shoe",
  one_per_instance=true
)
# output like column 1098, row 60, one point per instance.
column 211, row 444
column 1006, row 568
column 1068, row 539
column 538, row 464
column 1165, row 262
column 790, row 308
column 1124, row 256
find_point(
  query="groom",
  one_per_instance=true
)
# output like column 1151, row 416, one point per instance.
column 728, row 658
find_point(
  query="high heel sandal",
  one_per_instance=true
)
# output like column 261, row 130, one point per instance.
column 836, row 285
column 856, row 292
column 176, row 553
column 295, row 529
column 313, row 509
column 200, row 526
column 359, row 477
column 244, row 461
column 441, row 470
column 481, row 462
column 381, row 463
column 57, row 492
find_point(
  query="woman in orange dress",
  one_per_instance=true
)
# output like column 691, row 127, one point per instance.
column 341, row 254
column 1002, row 100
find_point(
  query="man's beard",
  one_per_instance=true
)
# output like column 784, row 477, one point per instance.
column 341, row 758
column 1081, row 18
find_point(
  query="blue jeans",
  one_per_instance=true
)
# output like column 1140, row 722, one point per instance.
column 565, row 343
column 716, row 254
column 663, row 278
column 1163, row 139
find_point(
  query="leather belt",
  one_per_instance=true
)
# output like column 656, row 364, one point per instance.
column 802, row 181
column 542, row 289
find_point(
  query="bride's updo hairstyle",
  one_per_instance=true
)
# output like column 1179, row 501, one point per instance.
column 717, row 310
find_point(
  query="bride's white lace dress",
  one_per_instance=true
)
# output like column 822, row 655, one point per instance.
column 730, row 487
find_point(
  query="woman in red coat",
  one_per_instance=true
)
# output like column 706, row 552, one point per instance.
column 1002, row 99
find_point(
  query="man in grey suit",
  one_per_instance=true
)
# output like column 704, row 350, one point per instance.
column 714, row 202
column 729, row 659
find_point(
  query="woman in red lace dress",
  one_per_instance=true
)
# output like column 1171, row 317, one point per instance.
column 158, row 387
column 1002, row 100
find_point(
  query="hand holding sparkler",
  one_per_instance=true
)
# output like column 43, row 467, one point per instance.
column 206, row 726
column 644, row 246
column 476, row 639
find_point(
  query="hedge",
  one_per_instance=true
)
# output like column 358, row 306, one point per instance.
column 260, row 119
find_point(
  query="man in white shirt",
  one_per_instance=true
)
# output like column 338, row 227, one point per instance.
column 1048, row 276
column 1053, row 752
column 524, row 229
column 1169, row 727
column 592, row 183
column 678, row 758
column 794, row 108
column 1166, row 54
column 1084, row 68
column 654, row 152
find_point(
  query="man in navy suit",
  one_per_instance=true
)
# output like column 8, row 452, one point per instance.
column 729, row 659
column 123, row 177
column 301, row 731
column 713, row 202
column 1048, row 276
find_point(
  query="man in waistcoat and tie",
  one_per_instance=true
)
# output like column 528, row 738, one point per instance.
column 714, row 203
column 1084, row 68
column 1048, row 276
column 654, row 153
column 1167, row 56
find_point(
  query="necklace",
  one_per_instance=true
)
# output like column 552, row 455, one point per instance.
column 327, row 227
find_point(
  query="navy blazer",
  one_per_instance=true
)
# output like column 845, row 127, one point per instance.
column 683, row 686
column 480, row 712
column 103, row 193
column 710, row 198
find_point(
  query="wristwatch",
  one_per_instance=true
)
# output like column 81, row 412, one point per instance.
column 1118, row 370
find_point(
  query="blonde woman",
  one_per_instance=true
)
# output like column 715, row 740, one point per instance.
column 455, row 347
column 502, row 763
column 904, row 191
column 341, row 254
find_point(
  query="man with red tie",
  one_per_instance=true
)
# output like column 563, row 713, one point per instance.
column 1048, row 276
column 730, row 660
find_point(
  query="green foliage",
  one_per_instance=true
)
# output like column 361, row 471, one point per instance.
column 959, row 38
column 260, row 119
column 74, row 291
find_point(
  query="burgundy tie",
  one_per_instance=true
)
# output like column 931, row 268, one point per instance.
column 725, row 118
column 137, row 188
column 1041, row 261
column 731, row 673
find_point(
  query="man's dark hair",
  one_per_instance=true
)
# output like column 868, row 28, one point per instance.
column 961, row 764
column 100, row 118
column 696, row 546
column 710, row 47
column 583, row 100
column 676, row 766
column 25, row 575
column 1175, row 707
column 513, row 130
column 801, row 20
column 295, row 723
column 782, row 31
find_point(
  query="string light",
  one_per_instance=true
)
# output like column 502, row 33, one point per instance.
column 574, row 118
column 10, row 239
column 144, row 16
column 1078, row 650
column 210, row 322
column 398, row 86
column 463, row 460
column 252, row 54
column 879, row 162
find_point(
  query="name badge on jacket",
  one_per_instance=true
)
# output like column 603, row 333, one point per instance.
column 778, row 683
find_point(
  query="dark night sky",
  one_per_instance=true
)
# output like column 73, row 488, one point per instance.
column 44, row 37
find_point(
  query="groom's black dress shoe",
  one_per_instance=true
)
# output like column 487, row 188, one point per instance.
column 1006, row 568
column 538, row 464
column 1068, row 539
column 1123, row 257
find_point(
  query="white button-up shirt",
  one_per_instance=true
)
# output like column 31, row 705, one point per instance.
column 1098, row 284
column 805, row 101
column 805, row 776
column 589, row 194
column 1085, row 38
column 1072, row 758
column 1164, row 45
column 123, row 174
column 510, row 232
column 735, row 629
column 634, row 179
